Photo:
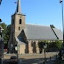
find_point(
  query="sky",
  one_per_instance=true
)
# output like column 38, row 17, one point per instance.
column 40, row 12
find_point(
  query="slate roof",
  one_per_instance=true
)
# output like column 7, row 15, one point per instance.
column 37, row 32
column 58, row 33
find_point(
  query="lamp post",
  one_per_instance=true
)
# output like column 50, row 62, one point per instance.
column 17, row 51
column 61, row 1
column 45, row 46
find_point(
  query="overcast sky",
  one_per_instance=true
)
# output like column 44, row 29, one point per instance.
column 41, row 12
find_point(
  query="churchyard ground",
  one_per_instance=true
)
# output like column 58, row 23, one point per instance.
column 34, row 58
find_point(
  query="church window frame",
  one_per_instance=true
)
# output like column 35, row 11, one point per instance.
column 18, row 28
column 20, row 21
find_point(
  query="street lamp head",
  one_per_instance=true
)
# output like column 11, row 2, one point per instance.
column 0, row 2
column 61, row 1
column 45, row 46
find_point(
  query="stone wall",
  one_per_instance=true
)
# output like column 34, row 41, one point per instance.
column 33, row 47
column 22, row 49
column 30, row 47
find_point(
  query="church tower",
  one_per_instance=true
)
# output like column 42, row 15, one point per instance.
column 17, row 24
column 18, row 20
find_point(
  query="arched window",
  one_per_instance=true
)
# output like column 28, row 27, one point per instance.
column 20, row 21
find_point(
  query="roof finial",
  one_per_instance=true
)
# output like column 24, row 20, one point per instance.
column 18, row 10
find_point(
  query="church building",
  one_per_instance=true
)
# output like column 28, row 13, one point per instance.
column 25, row 37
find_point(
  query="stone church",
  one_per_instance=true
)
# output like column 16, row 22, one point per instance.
column 25, row 37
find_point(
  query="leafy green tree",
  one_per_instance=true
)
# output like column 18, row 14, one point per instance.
column 7, row 35
column 54, row 46
column 4, row 26
column 58, row 44
column 41, row 46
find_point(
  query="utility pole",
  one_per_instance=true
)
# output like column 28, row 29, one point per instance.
column 61, row 1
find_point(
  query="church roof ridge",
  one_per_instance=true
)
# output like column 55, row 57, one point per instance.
column 38, row 25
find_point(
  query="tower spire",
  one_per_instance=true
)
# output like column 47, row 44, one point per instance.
column 18, row 9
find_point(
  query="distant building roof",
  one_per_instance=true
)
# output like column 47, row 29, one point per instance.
column 36, row 32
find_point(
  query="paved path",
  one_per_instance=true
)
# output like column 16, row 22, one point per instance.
column 32, row 61
column 37, row 61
